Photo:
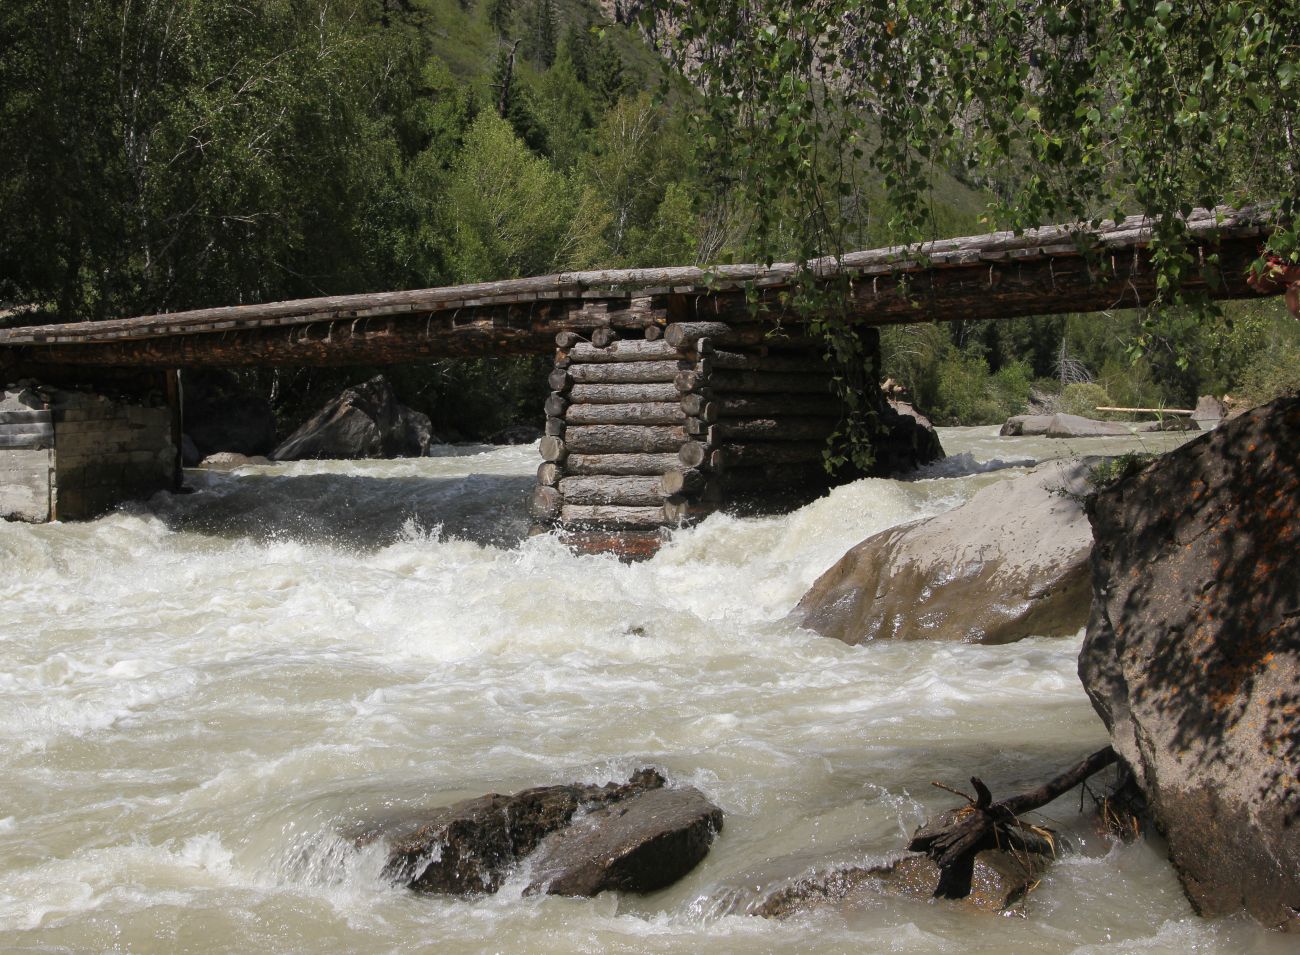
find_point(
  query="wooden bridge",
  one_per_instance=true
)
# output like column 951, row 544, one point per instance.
column 673, row 390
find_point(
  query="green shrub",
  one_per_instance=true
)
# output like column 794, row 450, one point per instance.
column 1084, row 398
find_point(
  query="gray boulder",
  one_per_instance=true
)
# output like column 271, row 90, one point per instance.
column 1210, row 410
column 1075, row 426
column 1192, row 655
column 1026, row 425
column 365, row 421
column 1012, row 561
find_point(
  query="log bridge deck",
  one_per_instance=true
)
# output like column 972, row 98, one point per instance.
column 671, row 390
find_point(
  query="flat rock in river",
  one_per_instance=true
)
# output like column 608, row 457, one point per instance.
column 1010, row 562
column 999, row 880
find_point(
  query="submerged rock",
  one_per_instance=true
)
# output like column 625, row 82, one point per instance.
column 228, row 461
column 364, row 421
column 1192, row 656
column 1010, row 562
column 635, row 836
column 1000, row 880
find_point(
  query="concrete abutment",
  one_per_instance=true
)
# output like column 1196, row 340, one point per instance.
column 74, row 450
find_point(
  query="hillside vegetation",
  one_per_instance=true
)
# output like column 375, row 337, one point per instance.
column 205, row 152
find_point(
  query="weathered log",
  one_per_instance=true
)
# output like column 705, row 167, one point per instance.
column 554, row 427
column 653, row 333
column 559, row 381
column 659, row 412
column 697, row 427
column 753, row 454
column 682, row 481
column 555, row 406
column 624, row 439
column 562, row 359
column 758, row 406
column 988, row 825
column 693, row 453
column 683, row 333
column 628, row 372
column 627, row 350
column 775, row 429
column 739, row 361
column 586, row 464
column 615, row 394
column 567, row 339
column 606, row 489
column 603, row 337
column 621, row 516
column 553, row 449
column 768, row 382
column 699, row 406
column 549, row 473
column 687, row 382
column 546, row 503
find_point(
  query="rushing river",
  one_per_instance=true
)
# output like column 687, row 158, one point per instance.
column 196, row 694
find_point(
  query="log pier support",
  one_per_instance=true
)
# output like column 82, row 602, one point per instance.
column 652, row 431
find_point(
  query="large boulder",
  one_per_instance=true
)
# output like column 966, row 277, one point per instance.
column 906, row 441
column 636, row 836
column 364, row 421
column 1010, row 562
column 1192, row 656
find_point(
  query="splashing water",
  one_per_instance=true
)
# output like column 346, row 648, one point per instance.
column 199, row 694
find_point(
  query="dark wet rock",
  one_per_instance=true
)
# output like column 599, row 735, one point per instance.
column 1009, row 563
column 631, row 836
column 1192, row 656
column 221, row 414
column 641, row 844
column 516, row 434
column 906, row 442
column 364, row 421
column 1000, row 880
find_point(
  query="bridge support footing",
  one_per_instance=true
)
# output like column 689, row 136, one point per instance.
column 75, row 453
column 644, row 435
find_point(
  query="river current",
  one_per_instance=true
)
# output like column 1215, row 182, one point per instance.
column 197, row 693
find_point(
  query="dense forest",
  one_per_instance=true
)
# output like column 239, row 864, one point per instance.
column 162, row 156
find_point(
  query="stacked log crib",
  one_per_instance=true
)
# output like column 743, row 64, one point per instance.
column 656, row 432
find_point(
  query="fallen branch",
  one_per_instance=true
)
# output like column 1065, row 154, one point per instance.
column 984, row 824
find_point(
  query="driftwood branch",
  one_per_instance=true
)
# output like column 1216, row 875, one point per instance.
column 984, row 824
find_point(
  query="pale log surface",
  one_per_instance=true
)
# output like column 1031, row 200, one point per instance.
column 605, row 489
column 617, row 439
column 660, row 412
column 586, row 464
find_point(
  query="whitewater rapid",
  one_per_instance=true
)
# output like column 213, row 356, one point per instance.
column 198, row 693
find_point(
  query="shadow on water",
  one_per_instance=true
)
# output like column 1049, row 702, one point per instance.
column 354, row 511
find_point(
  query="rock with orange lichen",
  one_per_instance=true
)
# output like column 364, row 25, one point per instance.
column 1192, row 655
